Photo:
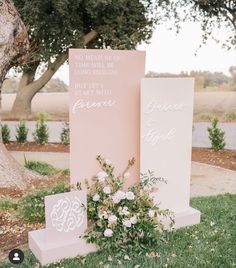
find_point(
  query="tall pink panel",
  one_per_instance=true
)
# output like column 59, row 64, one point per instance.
column 104, row 110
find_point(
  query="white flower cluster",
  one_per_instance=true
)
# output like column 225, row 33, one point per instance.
column 123, row 211
column 128, row 223
column 120, row 195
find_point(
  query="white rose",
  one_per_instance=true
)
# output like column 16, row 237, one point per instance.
column 108, row 162
column 115, row 199
column 107, row 190
column 127, row 223
column 108, row 233
column 118, row 196
column 126, row 175
column 96, row 197
column 130, row 195
column 101, row 176
column 125, row 211
column 121, row 194
column 133, row 220
column 151, row 213
column 112, row 219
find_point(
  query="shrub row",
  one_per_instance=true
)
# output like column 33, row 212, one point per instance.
column 40, row 135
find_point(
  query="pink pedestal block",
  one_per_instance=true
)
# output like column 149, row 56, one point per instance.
column 187, row 217
column 49, row 250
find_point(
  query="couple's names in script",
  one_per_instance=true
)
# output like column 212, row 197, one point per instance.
column 153, row 136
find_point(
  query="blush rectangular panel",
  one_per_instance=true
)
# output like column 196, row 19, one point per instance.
column 166, row 137
column 104, row 110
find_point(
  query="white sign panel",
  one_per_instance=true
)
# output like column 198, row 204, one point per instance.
column 166, row 137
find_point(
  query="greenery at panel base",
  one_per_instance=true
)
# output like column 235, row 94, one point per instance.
column 42, row 168
column 210, row 244
column 7, row 204
column 31, row 207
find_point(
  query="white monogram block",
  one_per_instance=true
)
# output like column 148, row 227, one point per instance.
column 66, row 213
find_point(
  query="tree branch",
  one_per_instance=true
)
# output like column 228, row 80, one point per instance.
column 54, row 66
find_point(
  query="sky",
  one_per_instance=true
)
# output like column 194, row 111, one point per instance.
column 173, row 53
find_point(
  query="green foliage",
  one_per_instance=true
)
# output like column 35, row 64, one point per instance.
column 216, row 135
column 65, row 134
column 5, row 133
column 42, row 168
column 208, row 244
column 7, row 203
column 56, row 25
column 41, row 133
column 21, row 132
column 122, row 220
column 31, row 207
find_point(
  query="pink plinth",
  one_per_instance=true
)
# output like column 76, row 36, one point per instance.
column 49, row 250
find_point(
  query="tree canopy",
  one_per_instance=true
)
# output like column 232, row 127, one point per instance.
column 211, row 14
column 56, row 25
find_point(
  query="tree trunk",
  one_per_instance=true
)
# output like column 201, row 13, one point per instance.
column 28, row 89
column 13, row 46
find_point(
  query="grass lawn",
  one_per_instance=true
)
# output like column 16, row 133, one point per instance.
column 212, row 243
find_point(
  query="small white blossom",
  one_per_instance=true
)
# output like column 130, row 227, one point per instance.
column 126, row 175
column 129, row 195
column 108, row 233
column 101, row 176
column 118, row 196
column 104, row 215
column 146, row 188
column 112, row 219
column 133, row 220
column 127, row 223
column 96, row 197
column 107, row 190
column 121, row 194
column 108, row 162
column 151, row 213
column 116, row 199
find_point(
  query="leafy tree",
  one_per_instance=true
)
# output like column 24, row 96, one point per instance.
column 56, row 25
column 210, row 13
column 13, row 45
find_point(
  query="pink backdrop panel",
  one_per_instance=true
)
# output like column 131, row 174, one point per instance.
column 104, row 110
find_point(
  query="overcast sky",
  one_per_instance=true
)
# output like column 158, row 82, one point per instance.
column 169, row 52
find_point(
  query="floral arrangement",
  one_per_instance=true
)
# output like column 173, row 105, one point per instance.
column 122, row 218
